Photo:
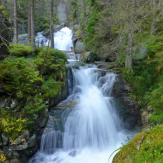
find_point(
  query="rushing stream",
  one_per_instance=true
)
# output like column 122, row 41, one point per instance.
column 92, row 130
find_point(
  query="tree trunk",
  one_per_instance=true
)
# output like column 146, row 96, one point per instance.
column 31, row 31
column 15, row 39
column 52, row 23
column 128, row 62
column 29, row 23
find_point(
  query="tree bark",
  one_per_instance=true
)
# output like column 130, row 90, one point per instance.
column 52, row 23
column 31, row 27
column 15, row 39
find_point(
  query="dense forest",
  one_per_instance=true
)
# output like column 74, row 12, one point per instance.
column 125, row 36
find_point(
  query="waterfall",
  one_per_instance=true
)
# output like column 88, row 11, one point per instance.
column 92, row 130
column 63, row 39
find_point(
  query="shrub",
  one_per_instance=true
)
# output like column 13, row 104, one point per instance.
column 51, row 62
column 143, row 148
column 10, row 125
column 51, row 88
column 19, row 77
column 20, row 50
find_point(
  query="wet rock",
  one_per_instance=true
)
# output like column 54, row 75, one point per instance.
column 145, row 118
column 32, row 141
column 19, row 147
column 43, row 119
column 14, row 161
column 79, row 47
column 5, row 140
column 129, row 110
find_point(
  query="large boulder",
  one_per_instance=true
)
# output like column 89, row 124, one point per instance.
column 129, row 110
column 79, row 47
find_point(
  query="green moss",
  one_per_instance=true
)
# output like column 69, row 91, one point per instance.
column 10, row 125
column 146, row 147
column 20, row 50
column 90, row 29
column 3, row 11
column 19, row 77
column 51, row 88
column 146, row 79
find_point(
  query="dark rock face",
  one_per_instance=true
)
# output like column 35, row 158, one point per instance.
column 128, row 109
column 26, row 144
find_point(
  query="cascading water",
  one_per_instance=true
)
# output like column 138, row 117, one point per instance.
column 63, row 39
column 91, row 128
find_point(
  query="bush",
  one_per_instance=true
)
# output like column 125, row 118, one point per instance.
column 10, row 125
column 51, row 62
column 20, row 50
column 147, row 146
column 51, row 88
column 19, row 77
column 30, row 83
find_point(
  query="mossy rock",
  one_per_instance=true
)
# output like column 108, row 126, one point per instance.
column 146, row 147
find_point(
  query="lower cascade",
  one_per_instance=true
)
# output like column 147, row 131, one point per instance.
column 91, row 131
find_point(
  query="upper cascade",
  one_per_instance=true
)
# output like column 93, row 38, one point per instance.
column 63, row 39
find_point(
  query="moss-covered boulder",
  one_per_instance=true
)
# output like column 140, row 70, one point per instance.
column 146, row 147
column 29, row 81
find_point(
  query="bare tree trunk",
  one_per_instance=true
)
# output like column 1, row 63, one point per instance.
column 128, row 62
column 32, row 25
column 29, row 22
column 52, row 23
column 31, row 28
column 154, row 15
column 15, row 39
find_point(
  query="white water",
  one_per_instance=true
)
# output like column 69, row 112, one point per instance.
column 92, row 130
column 63, row 39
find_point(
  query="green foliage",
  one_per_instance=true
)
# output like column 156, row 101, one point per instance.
column 147, row 147
column 154, row 44
column 34, row 105
column 3, row 11
column 146, row 79
column 20, row 50
column 30, row 82
column 19, row 77
column 51, row 88
column 90, row 29
column 51, row 62
column 10, row 125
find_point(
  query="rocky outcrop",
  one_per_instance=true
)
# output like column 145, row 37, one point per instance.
column 26, row 144
column 129, row 110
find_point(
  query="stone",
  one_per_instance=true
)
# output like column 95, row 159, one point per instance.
column 13, row 104
column 19, row 147
column 14, row 161
column 145, row 118
column 128, row 109
column 32, row 141
column 26, row 134
column 5, row 140
column 79, row 47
